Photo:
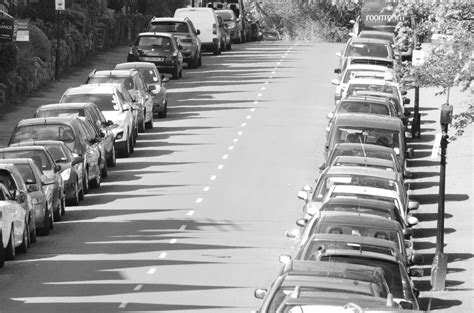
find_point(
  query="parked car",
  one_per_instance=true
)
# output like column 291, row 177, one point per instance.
column 271, row 35
column 13, row 225
column 92, row 113
column 136, row 86
column 12, row 179
column 42, row 201
column 225, row 34
column 230, row 20
column 155, row 83
column 93, row 136
column 184, row 29
column 69, row 131
column 205, row 20
column 114, row 106
column 348, row 160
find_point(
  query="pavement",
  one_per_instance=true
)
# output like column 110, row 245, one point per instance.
column 204, row 113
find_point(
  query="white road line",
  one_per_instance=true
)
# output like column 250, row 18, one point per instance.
column 206, row 189
column 122, row 305
column 138, row 288
column 235, row 140
column 281, row 60
column 266, row 83
column 255, row 102
column 259, row 95
column 249, row 117
column 274, row 72
column 220, row 167
column 183, row 227
column 278, row 63
column 163, row 254
column 213, row 177
column 151, row 270
column 198, row 200
column 240, row 133
column 173, row 240
column 272, row 76
column 252, row 110
column 231, row 147
column 243, row 124
column 263, row 88
column 225, row 156
column 190, row 213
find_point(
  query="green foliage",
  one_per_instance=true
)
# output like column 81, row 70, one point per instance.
column 41, row 47
column 8, row 58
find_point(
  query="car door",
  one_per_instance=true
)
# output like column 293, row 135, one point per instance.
column 102, row 128
column 146, row 96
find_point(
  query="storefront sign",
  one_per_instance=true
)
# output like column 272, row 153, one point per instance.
column 6, row 28
column 21, row 30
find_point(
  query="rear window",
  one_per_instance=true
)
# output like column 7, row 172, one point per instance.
column 168, row 27
column 367, row 49
column 226, row 16
column 155, row 41
column 363, row 107
column 105, row 102
column 27, row 173
column 38, row 156
column 126, row 81
column 58, row 132
column 50, row 112
column 376, row 136
column 57, row 153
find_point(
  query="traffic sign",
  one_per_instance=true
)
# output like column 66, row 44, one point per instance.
column 418, row 57
column 60, row 5
column 21, row 30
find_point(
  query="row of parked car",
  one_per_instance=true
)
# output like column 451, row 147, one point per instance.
column 354, row 241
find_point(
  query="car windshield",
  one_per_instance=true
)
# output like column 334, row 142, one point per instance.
column 167, row 27
column 355, row 209
column 392, row 271
column 356, row 230
column 59, row 132
column 38, row 156
column 367, row 49
column 358, row 89
column 376, row 136
column 57, row 153
column 155, row 41
column 226, row 16
column 27, row 173
column 150, row 76
column 50, row 112
column 363, row 107
column 357, row 73
column 327, row 181
column 105, row 102
column 341, row 150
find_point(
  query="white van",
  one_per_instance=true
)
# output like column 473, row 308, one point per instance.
column 205, row 20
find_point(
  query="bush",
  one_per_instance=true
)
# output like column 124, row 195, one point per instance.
column 8, row 58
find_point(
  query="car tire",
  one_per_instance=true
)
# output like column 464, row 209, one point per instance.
column 63, row 205
column 176, row 72
column 33, row 234
column 23, row 248
column 200, row 60
column 95, row 183
column 112, row 160
column 105, row 170
column 10, row 249
column 193, row 63
column 163, row 113
column 85, row 181
column 181, row 72
column 2, row 252
column 141, row 124
column 132, row 144
column 229, row 47
column 75, row 199
column 125, row 150
column 149, row 124
column 57, row 214
column 44, row 231
column 216, row 50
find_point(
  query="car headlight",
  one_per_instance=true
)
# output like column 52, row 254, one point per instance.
column 175, row 54
column 66, row 173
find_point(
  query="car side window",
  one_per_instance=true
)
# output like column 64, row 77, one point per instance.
column 140, row 82
column 101, row 116
column 191, row 25
column 123, row 97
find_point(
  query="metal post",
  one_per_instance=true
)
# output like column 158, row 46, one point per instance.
column 56, row 69
column 415, row 124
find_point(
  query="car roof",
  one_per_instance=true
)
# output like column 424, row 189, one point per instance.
column 361, row 170
column 352, row 145
column 370, row 203
column 122, row 72
column 39, row 143
column 368, row 40
column 48, row 120
column 366, row 98
column 16, row 161
column 155, row 34
column 364, row 190
column 357, row 219
column 368, row 120
column 131, row 65
column 353, row 239
column 376, row 32
column 370, row 67
column 363, row 160
column 71, row 105
column 92, row 89
column 168, row 19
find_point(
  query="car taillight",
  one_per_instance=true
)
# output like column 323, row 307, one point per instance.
column 214, row 29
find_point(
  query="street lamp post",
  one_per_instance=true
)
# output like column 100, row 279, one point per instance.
column 58, row 35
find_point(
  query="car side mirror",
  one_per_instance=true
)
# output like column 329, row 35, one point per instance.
column 330, row 115
column 198, row 32
column 292, row 234
column 416, row 272
column 180, row 47
column 335, row 82
column 165, row 79
column 126, row 107
column 303, row 195
column 413, row 205
column 412, row 221
column 417, row 259
column 338, row 54
column 410, row 153
column 301, row 222
column 151, row 88
column 337, row 71
column 57, row 168
column 285, row 259
column 407, row 233
column 403, row 92
column 406, row 101
column 322, row 166
column 260, row 293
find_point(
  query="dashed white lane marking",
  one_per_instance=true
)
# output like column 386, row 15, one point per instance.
column 271, row 76
column 231, row 147
column 255, row 102
column 278, row 63
column 225, row 156
column 240, row 133
column 263, row 88
column 213, row 177
column 220, row 167
column 252, row 110
column 249, row 117
column 206, row 189
column 266, row 83
column 284, row 56
column 243, row 124
column 273, row 73
column 235, row 140
column 163, row 254
column 259, row 95
column 183, row 227
column 172, row 241
column 190, row 213
column 198, row 200
column 138, row 288
column 151, row 270
column 122, row 305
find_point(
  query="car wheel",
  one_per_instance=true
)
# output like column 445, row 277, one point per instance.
column 105, row 170
column 176, row 72
column 163, row 113
column 85, row 181
column 57, row 214
column 23, row 248
column 51, row 221
column 149, row 124
column 217, row 49
column 63, row 205
column 125, row 150
column 44, row 231
column 229, row 46
column 132, row 144
column 181, row 72
column 141, row 124
column 10, row 250
column 2, row 252
column 200, row 60
column 33, row 236
column 95, row 183
column 112, row 160
column 75, row 200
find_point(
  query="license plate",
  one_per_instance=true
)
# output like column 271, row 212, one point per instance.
column 153, row 59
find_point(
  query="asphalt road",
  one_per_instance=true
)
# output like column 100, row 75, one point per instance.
column 194, row 221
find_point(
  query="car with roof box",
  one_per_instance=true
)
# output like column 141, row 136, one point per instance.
column 155, row 83
column 366, row 47
column 184, row 29
column 42, row 202
column 90, row 112
column 369, row 129
column 132, row 81
column 378, row 34
column 162, row 49
column 348, row 160
column 114, row 106
column 349, row 249
column 324, row 278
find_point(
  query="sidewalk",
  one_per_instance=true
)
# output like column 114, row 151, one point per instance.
column 459, row 206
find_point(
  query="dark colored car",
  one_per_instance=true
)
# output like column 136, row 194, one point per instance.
column 270, row 35
column 70, row 131
column 233, row 26
column 92, row 113
column 53, row 182
column 134, row 83
column 155, row 83
column 160, row 48
column 184, row 29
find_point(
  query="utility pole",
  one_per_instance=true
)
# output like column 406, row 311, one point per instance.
column 58, row 35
